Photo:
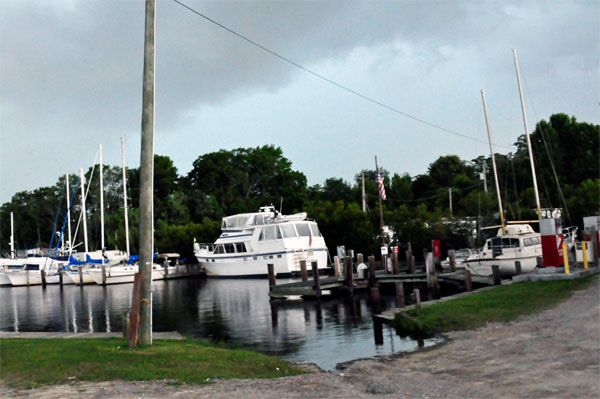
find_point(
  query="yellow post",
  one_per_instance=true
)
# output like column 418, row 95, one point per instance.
column 566, row 259
column 584, row 252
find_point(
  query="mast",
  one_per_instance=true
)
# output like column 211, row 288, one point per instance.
column 487, row 124
column 535, row 187
column 125, row 195
column 364, row 195
column 12, row 236
column 101, row 202
column 83, row 213
column 69, row 214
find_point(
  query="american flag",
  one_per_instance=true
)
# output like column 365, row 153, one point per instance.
column 381, row 188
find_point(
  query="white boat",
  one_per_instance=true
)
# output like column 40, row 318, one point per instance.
column 31, row 273
column 460, row 256
column 122, row 274
column 519, row 243
column 250, row 241
column 172, row 267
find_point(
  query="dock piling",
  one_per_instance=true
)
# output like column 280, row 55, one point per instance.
column 103, row 276
column 371, row 271
column 375, row 300
column 136, row 305
column 271, row 271
column 400, row 295
column 317, row 283
column 468, row 282
column 452, row 257
column 417, row 294
column 395, row 265
column 337, row 266
column 43, row 273
column 517, row 267
column 60, row 278
column 303, row 273
column 496, row 274
column 81, row 276
column 349, row 274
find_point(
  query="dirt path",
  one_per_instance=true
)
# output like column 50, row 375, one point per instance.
column 554, row 354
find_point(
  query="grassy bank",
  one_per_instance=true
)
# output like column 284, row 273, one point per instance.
column 502, row 304
column 28, row 363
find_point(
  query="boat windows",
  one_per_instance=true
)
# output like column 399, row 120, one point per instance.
column 229, row 248
column 240, row 247
column 510, row 243
column 303, row 229
column 270, row 233
column 234, row 221
column 528, row 242
column 259, row 220
column 288, row 230
column 219, row 249
column 314, row 229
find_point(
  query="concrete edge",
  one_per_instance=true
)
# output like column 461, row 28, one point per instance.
column 64, row 335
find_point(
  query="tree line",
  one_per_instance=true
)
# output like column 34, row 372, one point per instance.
column 223, row 183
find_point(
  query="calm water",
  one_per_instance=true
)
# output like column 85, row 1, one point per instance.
column 324, row 332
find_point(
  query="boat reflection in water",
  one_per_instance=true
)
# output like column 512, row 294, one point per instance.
column 324, row 332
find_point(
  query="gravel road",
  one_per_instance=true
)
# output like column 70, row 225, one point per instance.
column 553, row 354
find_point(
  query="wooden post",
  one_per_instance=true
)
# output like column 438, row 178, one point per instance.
column 349, row 274
column 360, row 258
column 375, row 300
column 80, row 271
column 417, row 298
column 400, row 295
column 103, row 276
column 413, row 264
column 271, row 271
column 496, row 274
column 371, row 271
column 395, row 265
column 428, row 274
column 410, row 260
column 435, row 285
column 468, row 282
column 452, row 257
column 43, row 273
column 517, row 267
column 336, row 266
column 317, row 283
column 166, row 267
column 136, row 303
column 303, row 273
column 60, row 278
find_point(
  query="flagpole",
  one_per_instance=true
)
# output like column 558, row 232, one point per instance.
column 383, row 258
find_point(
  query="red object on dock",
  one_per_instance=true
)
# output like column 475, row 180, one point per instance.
column 437, row 248
column 550, row 240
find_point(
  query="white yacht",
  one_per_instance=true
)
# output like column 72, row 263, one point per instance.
column 250, row 241
column 30, row 273
column 122, row 273
column 173, row 267
column 519, row 243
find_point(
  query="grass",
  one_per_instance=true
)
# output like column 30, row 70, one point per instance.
column 501, row 304
column 29, row 363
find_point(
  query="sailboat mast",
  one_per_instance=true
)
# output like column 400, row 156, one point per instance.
column 12, row 236
column 101, row 202
column 83, row 212
column 69, row 214
column 535, row 186
column 125, row 195
column 487, row 124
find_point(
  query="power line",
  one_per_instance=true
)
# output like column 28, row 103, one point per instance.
column 326, row 79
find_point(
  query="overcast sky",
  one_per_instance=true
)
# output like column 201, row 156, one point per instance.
column 71, row 77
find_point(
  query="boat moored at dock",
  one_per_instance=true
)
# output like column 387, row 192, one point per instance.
column 250, row 241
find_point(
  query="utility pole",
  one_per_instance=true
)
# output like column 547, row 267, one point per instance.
column 147, row 177
column 364, row 194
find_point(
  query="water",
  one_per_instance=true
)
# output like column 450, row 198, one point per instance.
column 324, row 332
